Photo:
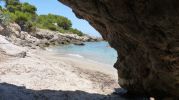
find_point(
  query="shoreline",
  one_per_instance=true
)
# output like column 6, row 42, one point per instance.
column 82, row 61
column 24, row 68
column 42, row 69
column 95, row 51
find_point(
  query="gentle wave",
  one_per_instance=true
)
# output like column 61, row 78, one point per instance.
column 76, row 55
column 96, row 51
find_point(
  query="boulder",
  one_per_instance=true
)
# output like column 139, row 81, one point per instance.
column 146, row 36
column 79, row 43
column 22, row 54
column 11, row 49
column 1, row 28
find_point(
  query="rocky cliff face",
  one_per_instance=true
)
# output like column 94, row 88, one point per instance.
column 145, row 34
column 41, row 37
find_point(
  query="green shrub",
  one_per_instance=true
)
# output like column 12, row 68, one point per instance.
column 10, row 15
column 30, row 26
column 76, row 31
column 13, row 5
column 13, row 8
column 27, row 8
column 11, row 2
column 23, row 20
column 61, row 30
column 64, row 22
column 54, row 21
column 20, row 16
column 51, row 27
column 4, row 19
column 24, row 14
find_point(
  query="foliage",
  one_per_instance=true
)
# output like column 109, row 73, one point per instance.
column 11, row 2
column 27, row 8
column 21, row 13
column 53, row 22
column 25, row 15
column 12, row 5
column 64, row 22
column 76, row 31
column 10, row 15
column 4, row 19
column 15, row 5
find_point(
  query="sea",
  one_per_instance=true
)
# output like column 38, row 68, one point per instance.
column 96, row 51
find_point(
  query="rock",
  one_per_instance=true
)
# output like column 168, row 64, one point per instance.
column 21, row 54
column 41, row 37
column 23, row 35
column 10, row 48
column 79, row 43
column 146, row 36
column 1, row 28
column 13, row 30
column 42, row 43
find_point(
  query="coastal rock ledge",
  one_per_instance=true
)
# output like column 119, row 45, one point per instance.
column 42, row 37
column 145, row 34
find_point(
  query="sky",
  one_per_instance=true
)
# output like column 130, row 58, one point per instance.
column 55, row 7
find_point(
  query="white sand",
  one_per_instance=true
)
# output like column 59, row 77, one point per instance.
column 44, row 75
column 44, row 70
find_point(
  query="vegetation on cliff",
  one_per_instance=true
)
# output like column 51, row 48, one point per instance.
column 24, row 14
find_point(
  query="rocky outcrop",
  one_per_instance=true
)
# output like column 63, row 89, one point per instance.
column 146, row 36
column 55, row 37
column 41, row 37
column 10, row 49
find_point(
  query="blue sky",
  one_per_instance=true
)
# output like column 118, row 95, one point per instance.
column 55, row 7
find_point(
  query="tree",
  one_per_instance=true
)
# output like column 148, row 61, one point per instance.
column 11, row 2
column 64, row 22
column 24, row 14
column 27, row 8
column 54, row 21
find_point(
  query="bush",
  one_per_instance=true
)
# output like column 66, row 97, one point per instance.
column 13, row 5
column 51, row 27
column 10, row 15
column 24, row 14
column 64, row 22
column 12, row 8
column 61, row 30
column 4, row 19
column 76, row 31
column 12, row 2
column 30, row 26
column 23, row 20
column 20, row 16
column 27, row 8
column 54, row 21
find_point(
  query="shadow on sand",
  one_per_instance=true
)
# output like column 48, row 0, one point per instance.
column 13, row 92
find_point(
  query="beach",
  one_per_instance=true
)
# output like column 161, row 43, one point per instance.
column 79, row 73
column 44, row 70
column 27, row 68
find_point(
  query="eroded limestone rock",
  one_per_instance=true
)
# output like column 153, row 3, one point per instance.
column 145, row 34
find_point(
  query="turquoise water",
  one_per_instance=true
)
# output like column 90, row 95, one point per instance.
column 97, row 51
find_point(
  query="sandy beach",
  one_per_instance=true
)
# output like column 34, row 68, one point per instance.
column 45, row 70
column 41, row 74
